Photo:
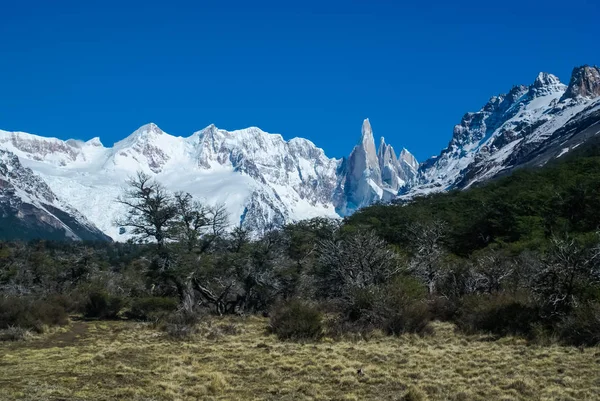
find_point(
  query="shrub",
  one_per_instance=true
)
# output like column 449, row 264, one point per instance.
column 404, row 309
column 151, row 308
column 395, row 308
column 14, row 333
column 296, row 320
column 32, row 314
column 582, row 327
column 101, row 304
column 444, row 309
column 180, row 324
column 409, row 318
column 501, row 314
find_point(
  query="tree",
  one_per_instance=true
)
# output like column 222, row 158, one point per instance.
column 191, row 222
column 358, row 261
column 568, row 269
column 150, row 209
column 428, row 252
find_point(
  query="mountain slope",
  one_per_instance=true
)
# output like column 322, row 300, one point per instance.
column 526, row 126
column 29, row 209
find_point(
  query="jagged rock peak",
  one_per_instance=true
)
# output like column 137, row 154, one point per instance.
column 585, row 82
column 367, row 131
column 408, row 158
column 546, row 84
column 545, row 79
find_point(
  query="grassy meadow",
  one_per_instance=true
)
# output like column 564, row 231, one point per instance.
column 235, row 359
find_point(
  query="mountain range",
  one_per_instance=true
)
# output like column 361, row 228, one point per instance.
column 52, row 188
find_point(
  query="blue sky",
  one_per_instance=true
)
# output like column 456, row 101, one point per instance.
column 315, row 69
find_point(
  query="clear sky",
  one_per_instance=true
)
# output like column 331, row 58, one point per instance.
column 315, row 69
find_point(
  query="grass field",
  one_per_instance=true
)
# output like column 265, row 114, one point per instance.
column 233, row 359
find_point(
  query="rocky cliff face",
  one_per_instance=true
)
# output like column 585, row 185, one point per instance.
column 584, row 83
column 369, row 176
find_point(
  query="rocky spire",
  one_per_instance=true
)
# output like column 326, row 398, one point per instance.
column 585, row 82
column 546, row 84
column 388, row 165
column 407, row 158
column 367, row 144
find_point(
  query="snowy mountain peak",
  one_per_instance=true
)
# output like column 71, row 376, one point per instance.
column 584, row 83
column 546, row 84
column 262, row 179
column 146, row 132
column 546, row 79
column 95, row 142
column 528, row 123
column 370, row 176
column 367, row 140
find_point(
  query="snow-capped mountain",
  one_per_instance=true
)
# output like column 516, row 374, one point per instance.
column 30, row 209
column 265, row 181
column 527, row 126
column 260, row 178
column 371, row 175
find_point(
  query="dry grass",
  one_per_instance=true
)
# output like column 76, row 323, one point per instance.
column 129, row 361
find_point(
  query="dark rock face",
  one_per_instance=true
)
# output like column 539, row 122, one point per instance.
column 585, row 82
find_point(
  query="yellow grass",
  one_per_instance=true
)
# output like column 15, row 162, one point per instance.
column 131, row 361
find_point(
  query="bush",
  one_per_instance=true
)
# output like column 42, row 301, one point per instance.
column 395, row 308
column 296, row 320
column 403, row 308
column 14, row 333
column 409, row 318
column 103, row 305
column 181, row 324
column 582, row 327
column 32, row 314
column 500, row 314
column 151, row 308
column 444, row 309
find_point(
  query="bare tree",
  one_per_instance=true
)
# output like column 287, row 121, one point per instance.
column 191, row 221
column 428, row 252
column 150, row 209
column 218, row 220
column 359, row 261
column 490, row 270
column 568, row 268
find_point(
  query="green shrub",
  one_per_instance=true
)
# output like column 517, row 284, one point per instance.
column 409, row 318
column 31, row 314
column 102, row 305
column 296, row 320
column 582, row 326
column 151, row 308
column 500, row 314
column 443, row 308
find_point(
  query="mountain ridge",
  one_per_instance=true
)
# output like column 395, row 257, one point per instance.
column 263, row 180
column 266, row 181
